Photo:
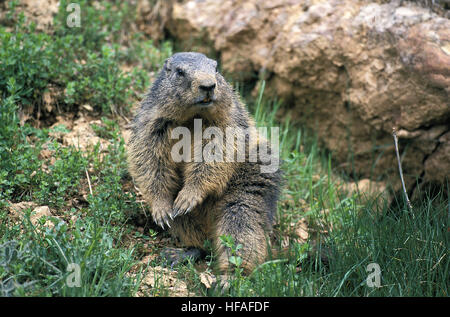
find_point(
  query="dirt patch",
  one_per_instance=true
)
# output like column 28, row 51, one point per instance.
column 83, row 136
column 41, row 12
column 16, row 213
column 367, row 189
column 159, row 281
column 16, row 210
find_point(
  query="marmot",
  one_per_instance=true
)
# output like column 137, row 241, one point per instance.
column 199, row 199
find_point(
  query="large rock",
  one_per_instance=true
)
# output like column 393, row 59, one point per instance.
column 350, row 70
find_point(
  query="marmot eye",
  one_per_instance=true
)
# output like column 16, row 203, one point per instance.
column 180, row 72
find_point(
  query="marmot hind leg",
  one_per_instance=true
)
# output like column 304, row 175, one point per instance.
column 245, row 223
column 247, row 213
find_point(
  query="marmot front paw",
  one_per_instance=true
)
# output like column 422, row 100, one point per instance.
column 162, row 213
column 186, row 201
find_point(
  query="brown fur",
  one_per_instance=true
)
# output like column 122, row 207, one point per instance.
column 200, row 200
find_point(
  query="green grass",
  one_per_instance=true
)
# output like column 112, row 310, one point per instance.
column 80, row 64
column 98, row 230
column 34, row 258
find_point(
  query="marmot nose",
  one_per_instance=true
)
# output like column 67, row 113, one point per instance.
column 207, row 87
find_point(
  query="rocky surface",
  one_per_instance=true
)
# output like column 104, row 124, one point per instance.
column 351, row 70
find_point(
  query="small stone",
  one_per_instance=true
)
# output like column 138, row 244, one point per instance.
column 38, row 213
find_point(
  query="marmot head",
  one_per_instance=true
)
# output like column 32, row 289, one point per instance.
column 195, row 74
column 190, row 83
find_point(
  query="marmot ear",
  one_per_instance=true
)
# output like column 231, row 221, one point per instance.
column 167, row 64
